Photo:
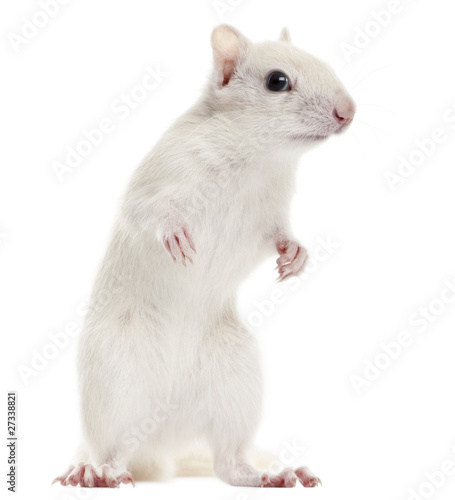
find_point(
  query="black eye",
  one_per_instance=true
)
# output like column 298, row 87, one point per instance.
column 277, row 82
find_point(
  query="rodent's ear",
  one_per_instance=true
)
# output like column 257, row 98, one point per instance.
column 285, row 36
column 229, row 47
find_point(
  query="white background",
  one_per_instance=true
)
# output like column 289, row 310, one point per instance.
column 395, row 248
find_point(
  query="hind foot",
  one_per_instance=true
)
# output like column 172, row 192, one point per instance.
column 87, row 476
column 288, row 478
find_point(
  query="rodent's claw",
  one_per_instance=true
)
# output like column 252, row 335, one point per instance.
column 288, row 478
column 283, row 276
column 284, row 479
column 85, row 475
column 180, row 245
column 292, row 259
column 189, row 239
column 307, row 478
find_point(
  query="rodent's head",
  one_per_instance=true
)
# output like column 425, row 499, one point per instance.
column 282, row 92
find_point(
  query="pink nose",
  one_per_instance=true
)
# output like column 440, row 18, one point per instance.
column 344, row 111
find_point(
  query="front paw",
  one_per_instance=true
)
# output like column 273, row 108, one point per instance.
column 177, row 240
column 292, row 259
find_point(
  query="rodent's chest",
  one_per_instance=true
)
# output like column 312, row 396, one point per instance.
column 239, row 219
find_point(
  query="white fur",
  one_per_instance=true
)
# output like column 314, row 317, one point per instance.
column 162, row 342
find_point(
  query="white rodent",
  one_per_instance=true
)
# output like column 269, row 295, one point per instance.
column 164, row 360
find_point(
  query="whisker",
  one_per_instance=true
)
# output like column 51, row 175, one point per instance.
column 374, row 128
column 374, row 71
column 379, row 107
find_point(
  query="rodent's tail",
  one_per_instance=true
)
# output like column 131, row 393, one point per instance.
column 199, row 462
